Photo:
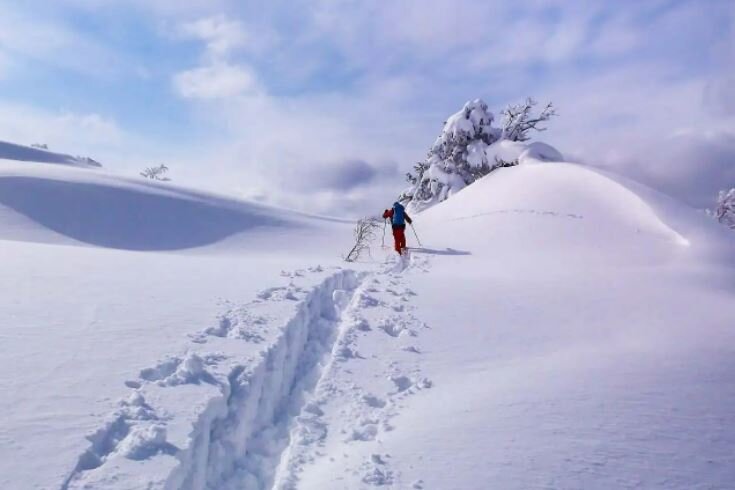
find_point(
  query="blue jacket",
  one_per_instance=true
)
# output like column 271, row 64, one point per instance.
column 397, row 215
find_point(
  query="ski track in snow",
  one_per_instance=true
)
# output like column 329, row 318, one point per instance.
column 383, row 339
column 554, row 214
column 262, row 417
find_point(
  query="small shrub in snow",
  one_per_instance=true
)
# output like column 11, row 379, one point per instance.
column 365, row 230
column 88, row 161
column 156, row 173
column 500, row 163
column 725, row 210
column 466, row 150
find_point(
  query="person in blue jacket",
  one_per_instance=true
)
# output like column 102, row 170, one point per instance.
column 398, row 217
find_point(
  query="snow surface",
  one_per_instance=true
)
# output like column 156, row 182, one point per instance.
column 559, row 328
column 533, row 152
column 12, row 151
column 67, row 205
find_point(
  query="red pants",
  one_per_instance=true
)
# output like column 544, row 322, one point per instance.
column 399, row 236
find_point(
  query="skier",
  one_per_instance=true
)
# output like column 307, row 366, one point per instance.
column 397, row 215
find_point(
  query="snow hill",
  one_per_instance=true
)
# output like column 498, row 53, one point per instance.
column 11, row 151
column 76, row 206
column 559, row 328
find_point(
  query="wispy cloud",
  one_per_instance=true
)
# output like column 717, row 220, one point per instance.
column 31, row 38
column 215, row 81
column 217, row 76
column 220, row 35
column 64, row 130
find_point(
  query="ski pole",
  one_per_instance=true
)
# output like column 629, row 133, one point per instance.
column 385, row 223
column 414, row 234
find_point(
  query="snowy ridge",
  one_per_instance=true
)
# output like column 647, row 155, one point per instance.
column 12, row 151
column 48, row 204
column 613, row 209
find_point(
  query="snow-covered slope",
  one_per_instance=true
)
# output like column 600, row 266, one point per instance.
column 12, row 151
column 63, row 205
column 559, row 328
column 100, row 281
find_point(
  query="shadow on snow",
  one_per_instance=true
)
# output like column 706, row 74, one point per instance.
column 129, row 218
column 435, row 251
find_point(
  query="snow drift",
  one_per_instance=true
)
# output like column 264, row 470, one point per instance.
column 12, row 151
column 575, row 213
column 98, row 209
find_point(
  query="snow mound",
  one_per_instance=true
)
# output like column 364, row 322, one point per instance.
column 540, row 151
column 12, row 151
column 509, row 151
column 66, row 205
column 564, row 188
column 567, row 210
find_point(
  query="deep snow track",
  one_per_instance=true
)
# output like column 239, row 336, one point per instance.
column 242, row 448
column 325, row 361
column 242, row 405
column 342, row 438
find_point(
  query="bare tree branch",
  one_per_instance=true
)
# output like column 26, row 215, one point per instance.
column 518, row 121
column 364, row 232
column 156, row 173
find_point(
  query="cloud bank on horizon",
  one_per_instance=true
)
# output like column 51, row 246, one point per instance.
column 323, row 104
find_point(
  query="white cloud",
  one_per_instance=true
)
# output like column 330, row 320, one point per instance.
column 335, row 154
column 216, row 81
column 67, row 132
column 217, row 77
column 639, row 122
column 615, row 37
column 221, row 35
column 692, row 166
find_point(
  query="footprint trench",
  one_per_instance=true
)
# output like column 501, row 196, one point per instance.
column 258, row 432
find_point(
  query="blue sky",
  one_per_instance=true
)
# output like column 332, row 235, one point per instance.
column 267, row 99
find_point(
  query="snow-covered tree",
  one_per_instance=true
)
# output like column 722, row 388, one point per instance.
column 725, row 210
column 457, row 157
column 462, row 152
column 156, row 173
column 518, row 119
